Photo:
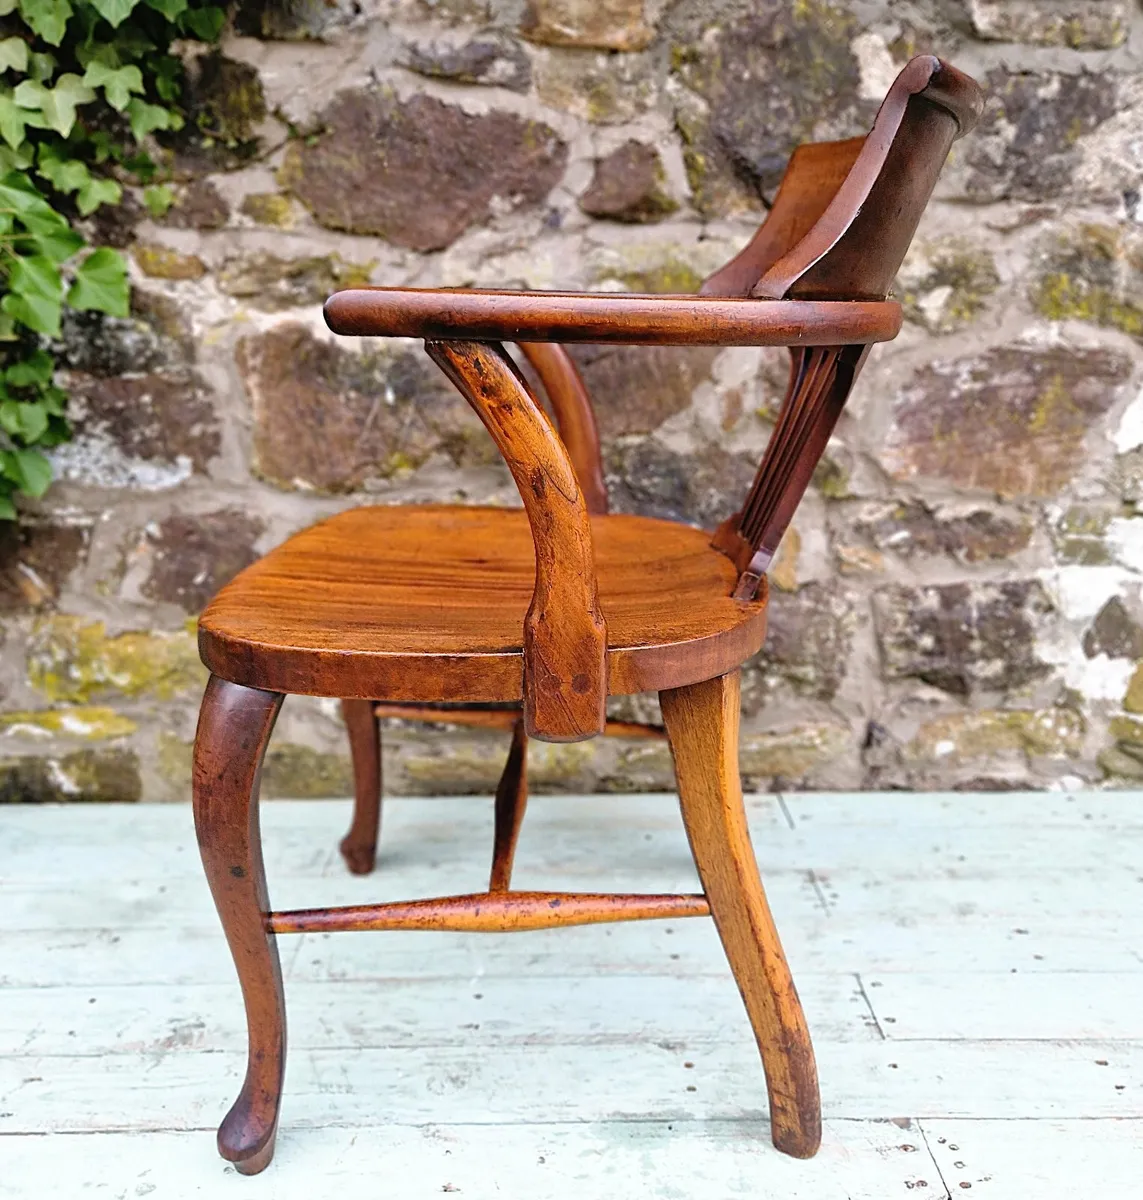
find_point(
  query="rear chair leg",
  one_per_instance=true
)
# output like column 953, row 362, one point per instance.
column 359, row 846
column 702, row 724
column 233, row 729
column 511, row 800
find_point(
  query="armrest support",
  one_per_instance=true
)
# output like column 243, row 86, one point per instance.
column 575, row 417
column 565, row 636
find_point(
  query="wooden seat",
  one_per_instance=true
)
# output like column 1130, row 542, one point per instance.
column 427, row 603
column 556, row 606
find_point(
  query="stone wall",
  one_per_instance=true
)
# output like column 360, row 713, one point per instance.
column 958, row 603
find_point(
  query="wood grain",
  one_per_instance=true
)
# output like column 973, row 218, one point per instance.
column 359, row 606
column 511, row 801
column 702, row 725
column 234, row 726
column 359, row 846
column 491, row 912
column 607, row 317
column 575, row 417
column 565, row 633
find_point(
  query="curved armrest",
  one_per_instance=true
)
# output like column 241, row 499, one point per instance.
column 565, row 637
column 444, row 313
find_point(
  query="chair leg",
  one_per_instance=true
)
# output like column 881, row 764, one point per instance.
column 359, row 846
column 511, row 800
column 233, row 729
column 702, row 725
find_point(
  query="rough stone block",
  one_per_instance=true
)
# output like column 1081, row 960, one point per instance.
column 629, row 185
column 195, row 554
column 73, row 660
column 146, row 432
column 781, row 74
column 418, row 172
column 331, row 419
column 36, row 558
column 106, row 775
column 1080, row 24
column 1012, row 419
column 963, row 637
column 601, row 24
column 1028, row 145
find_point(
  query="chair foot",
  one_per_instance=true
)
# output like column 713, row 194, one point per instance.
column 359, row 846
column 233, row 729
column 702, row 725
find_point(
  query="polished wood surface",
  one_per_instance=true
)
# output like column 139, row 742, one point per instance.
column 551, row 608
column 234, row 726
column 702, row 724
column 427, row 603
column 491, row 912
column 359, row 846
column 607, row 317
column 575, row 417
column 565, row 633
column 500, row 717
column 511, row 801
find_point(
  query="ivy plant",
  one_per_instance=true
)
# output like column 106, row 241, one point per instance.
column 84, row 87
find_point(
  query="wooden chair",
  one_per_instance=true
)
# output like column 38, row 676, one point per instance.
column 547, row 610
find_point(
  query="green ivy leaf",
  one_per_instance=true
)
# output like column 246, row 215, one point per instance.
column 37, row 312
column 36, row 368
column 101, row 283
column 158, row 199
column 115, row 12
column 30, row 470
column 41, row 66
column 58, row 104
column 7, row 6
column 26, row 421
column 204, row 23
column 35, row 274
column 14, row 119
column 19, row 159
column 48, row 18
column 64, row 174
column 57, row 242
column 169, row 8
column 95, row 192
column 13, row 55
column 117, row 83
column 7, row 508
column 144, row 118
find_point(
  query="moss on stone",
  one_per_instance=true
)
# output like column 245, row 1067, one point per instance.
column 1091, row 274
column 270, row 282
column 1133, row 701
column 160, row 262
column 792, row 754
column 983, row 734
column 295, row 772
column 89, row 723
column 269, row 208
column 1080, row 536
column 655, row 268
column 958, row 279
column 104, row 775
column 72, row 660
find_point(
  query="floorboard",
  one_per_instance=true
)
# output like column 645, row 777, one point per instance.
column 970, row 967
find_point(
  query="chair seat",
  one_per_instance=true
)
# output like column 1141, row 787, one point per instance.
column 427, row 602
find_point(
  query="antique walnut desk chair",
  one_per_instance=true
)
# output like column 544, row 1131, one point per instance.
column 549, row 609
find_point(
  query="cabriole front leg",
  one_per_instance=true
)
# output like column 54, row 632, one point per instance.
column 233, row 728
column 702, row 725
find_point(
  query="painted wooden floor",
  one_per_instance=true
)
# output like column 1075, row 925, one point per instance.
column 971, row 967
